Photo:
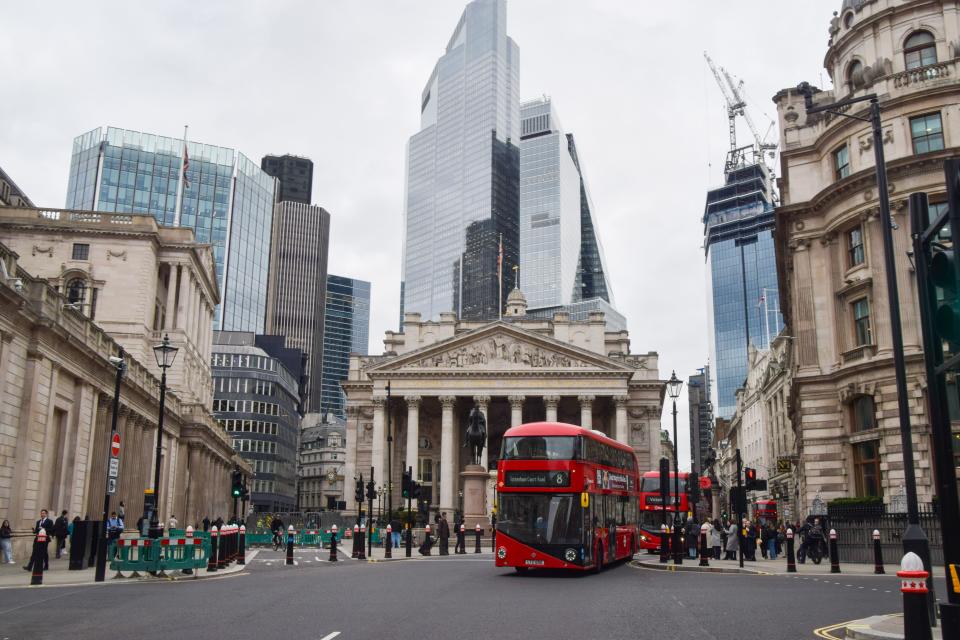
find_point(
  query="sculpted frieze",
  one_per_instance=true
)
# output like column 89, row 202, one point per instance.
column 498, row 352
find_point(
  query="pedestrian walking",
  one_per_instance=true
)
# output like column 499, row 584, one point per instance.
column 206, row 523
column 733, row 542
column 60, row 532
column 750, row 540
column 395, row 528
column 692, row 537
column 715, row 538
column 6, row 542
column 45, row 523
column 444, row 534
column 114, row 528
column 173, row 522
column 121, row 512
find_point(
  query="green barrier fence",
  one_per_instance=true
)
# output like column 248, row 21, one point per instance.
column 129, row 555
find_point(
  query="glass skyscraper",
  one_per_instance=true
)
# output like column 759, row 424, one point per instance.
column 463, row 167
column 561, row 257
column 346, row 330
column 742, row 300
column 227, row 200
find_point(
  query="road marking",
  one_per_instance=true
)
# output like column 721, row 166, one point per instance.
column 317, row 558
column 330, row 636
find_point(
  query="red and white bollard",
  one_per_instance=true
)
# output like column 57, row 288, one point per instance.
column 242, row 548
column 478, row 531
column 877, row 553
column 356, row 541
column 834, row 553
column 362, row 554
column 913, row 585
column 791, row 556
column 704, row 548
column 388, row 553
column 212, row 560
column 188, row 535
column 290, row 544
column 333, row 543
column 427, row 543
column 39, row 551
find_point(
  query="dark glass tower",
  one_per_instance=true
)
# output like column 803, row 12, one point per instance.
column 463, row 175
column 743, row 303
column 346, row 330
column 701, row 432
column 295, row 175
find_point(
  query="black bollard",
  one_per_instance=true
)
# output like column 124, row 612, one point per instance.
column 290, row 544
column 462, row 539
column 212, row 560
column 664, row 551
column 242, row 551
column 333, row 543
column 222, row 549
column 427, row 542
column 834, row 554
column 913, row 585
column 39, row 547
column 362, row 545
column 388, row 553
column 190, row 551
column 478, row 531
column 877, row 553
column 356, row 541
column 704, row 549
column 791, row 556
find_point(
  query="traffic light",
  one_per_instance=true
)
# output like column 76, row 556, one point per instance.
column 738, row 501
column 237, row 483
column 943, row 274
column 359, row 489
column 415, row 490
column 749, row 478
column 371, row 490
column 405, row 484
column 694, row 489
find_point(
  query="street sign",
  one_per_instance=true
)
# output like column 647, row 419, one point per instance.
column 115, row 445
column 784, row 465
column 111, row 485
column 114, row 468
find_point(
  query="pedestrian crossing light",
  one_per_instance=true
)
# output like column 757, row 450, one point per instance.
column 358, row 493
column 406, row 483
column 750, row 478
column 237, row 484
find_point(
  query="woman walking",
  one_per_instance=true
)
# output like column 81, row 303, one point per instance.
column 733, row 542
column 6, row 542
column 716, row 539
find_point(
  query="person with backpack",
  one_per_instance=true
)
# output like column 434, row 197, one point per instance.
column 60, row 532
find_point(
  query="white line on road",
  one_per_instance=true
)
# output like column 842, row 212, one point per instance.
column 330, row 636
column 318, row 558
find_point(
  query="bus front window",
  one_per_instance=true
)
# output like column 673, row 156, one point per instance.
column 540, row 448
column 540, row 519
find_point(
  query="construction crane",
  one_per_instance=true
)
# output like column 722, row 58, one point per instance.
column 737, row 106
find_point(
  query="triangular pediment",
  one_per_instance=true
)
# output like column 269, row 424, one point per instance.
column 500, row 346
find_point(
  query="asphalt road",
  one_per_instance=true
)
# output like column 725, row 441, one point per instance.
column 458, row 597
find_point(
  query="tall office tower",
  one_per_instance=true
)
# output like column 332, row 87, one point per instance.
column 297, row 285
column 226, row 199
column 700, row 411
column 463, row 172
column 561, row 258
column 346, row 330
column 742, row 302
column 295, row 175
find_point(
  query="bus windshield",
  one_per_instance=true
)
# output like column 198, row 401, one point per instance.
column 652, row 485
column 540, row 448
column 540, row 518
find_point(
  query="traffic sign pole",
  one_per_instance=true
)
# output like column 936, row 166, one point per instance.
column 112, row 471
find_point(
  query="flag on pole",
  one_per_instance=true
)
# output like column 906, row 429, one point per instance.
column 186, row 165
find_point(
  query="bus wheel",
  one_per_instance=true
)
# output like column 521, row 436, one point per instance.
column 520, row 570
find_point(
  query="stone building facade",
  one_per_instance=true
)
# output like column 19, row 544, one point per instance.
column 92, row 281
column 516, row 370
column 323, row 442
column 829, row 246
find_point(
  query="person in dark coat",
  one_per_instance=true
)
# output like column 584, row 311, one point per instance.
column 395, row 529
column 206, row 523
column 45, row 523
column 444, row 534
column 60, row 532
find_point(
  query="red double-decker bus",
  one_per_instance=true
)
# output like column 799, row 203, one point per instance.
column 652, row 508
column 568, row 498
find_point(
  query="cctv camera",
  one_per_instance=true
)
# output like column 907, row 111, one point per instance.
column 18, row 285
column 116, row 361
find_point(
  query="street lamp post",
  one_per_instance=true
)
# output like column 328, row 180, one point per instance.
column 165, row 354
column 673, row 388
column 101, row 566
column 389, row 482
column 914, row 538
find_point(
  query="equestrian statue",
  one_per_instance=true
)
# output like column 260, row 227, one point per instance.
column 476, row 435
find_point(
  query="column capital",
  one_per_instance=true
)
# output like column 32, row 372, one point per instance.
column 378, row 401
column 483, row 401
column 448, row 401
column 516, row 402
column 585, row 398
column 412, row 401
column 621, row 400
column 551, row 400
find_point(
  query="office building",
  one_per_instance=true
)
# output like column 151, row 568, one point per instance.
column 561, row 258
column 295, row 175
column 257, row 401
column 323, row 444
column 297, row 286
column 226, row 199
column 462, row 182
column 742, row 303
column 346, row 331
column 701, row 418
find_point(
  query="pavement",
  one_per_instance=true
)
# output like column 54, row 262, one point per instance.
column 455, row 596
column 763, row 566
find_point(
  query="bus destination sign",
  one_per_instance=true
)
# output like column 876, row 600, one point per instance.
column 539, row 478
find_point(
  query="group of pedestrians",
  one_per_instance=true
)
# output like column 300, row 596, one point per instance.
column 725, row 539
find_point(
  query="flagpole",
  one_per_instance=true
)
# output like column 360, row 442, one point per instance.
column 180, row 179
column 500, row 278
column 766, row 316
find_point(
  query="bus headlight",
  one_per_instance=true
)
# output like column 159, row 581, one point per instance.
column 570, row 555
column 502, row 553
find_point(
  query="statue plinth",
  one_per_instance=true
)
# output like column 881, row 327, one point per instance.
column 474, row 479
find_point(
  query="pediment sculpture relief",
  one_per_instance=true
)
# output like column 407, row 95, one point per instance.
column 498, row 352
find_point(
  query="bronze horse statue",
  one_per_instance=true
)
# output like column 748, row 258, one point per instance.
column 476, row 435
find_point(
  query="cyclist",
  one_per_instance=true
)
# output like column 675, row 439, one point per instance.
column 812, row 538
column 276, row 526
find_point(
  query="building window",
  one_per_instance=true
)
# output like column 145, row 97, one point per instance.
column 861, row 321
column 864, row 414
column 927, row 133
column 841, row 162
column 919, row 50
column 855, row 76
column 848, row 19
column 855, row 246
column 866, row 463
column 81, row 251
column 77, row 291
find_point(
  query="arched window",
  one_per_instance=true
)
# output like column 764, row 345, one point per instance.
column 855, row 76
column 864, row 414
column 919, row 50
column 848, row 19
column 77, row 291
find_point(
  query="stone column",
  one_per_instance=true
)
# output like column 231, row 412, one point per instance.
column 376, row 458
column 586, row 411
column 350, row 466
column 413, row 432
column 551, row 402
column 484, row 403
column 447, row 481
column 622, row 431
column 516, row 410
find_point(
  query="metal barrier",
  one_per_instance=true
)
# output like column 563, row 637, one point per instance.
column 304, row 538
column 134, row 555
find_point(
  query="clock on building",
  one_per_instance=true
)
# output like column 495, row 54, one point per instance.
column 332, row 476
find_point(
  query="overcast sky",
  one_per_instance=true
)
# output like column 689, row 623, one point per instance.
column 340, row 82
